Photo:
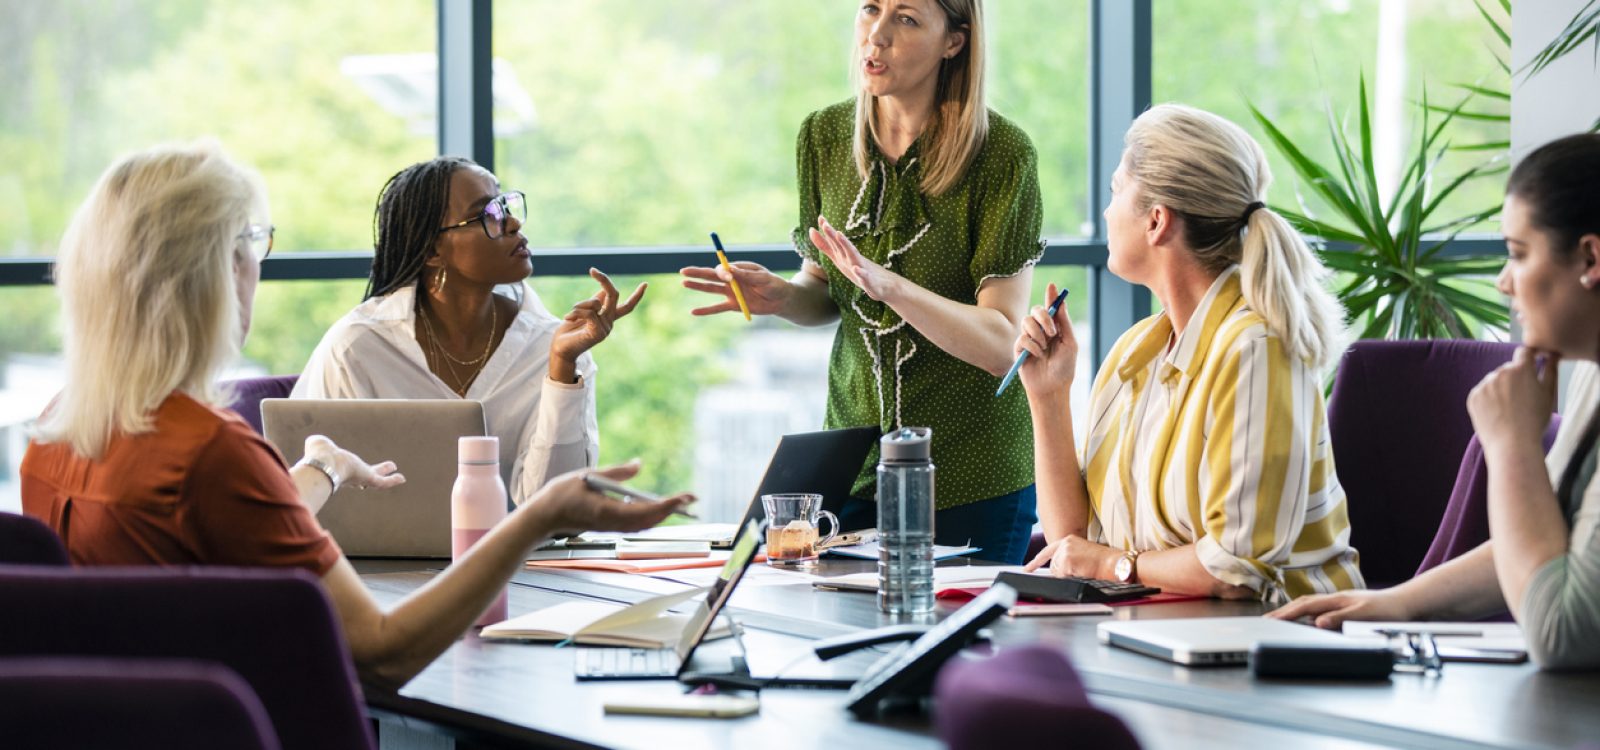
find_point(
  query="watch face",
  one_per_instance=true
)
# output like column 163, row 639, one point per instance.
column 1125, row 569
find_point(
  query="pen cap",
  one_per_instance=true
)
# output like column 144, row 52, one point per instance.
column 479, row 450
column 907, row 445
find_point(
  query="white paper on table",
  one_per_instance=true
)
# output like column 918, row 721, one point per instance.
column 1449, row 636
column 957, row 577
column 757, row 575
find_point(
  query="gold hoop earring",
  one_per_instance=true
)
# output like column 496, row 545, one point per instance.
column 439, row 288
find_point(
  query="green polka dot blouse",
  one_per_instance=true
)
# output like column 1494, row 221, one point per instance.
column 882, row 371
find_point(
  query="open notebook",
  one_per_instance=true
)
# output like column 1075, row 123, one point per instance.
column 647, row 624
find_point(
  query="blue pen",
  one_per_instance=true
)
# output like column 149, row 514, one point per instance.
column 1023, row 357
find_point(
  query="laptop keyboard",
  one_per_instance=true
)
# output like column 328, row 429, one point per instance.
column 625, row 663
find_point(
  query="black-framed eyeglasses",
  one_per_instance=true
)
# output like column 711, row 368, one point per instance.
column 1414, row 651
column 497, row 213
column 258, row 237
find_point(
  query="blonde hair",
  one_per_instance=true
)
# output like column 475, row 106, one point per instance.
column 960, row 121
column 1213, row 174
column 147, row 285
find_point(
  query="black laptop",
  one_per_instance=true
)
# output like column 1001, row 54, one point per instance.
column 825, row 462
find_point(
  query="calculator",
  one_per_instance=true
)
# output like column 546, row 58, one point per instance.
column 1073, row 589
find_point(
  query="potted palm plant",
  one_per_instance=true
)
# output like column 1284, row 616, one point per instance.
column 1394, row 275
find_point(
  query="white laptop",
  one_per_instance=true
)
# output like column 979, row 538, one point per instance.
column 420, row 436
column 1206, row 641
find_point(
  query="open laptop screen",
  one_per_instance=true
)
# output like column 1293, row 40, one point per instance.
column 705, row 613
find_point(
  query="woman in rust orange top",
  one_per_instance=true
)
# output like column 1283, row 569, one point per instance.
column 136, row 464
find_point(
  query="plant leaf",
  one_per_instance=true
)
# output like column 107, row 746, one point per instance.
column 1493, row 24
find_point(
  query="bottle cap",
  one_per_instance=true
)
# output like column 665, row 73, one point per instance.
column 907, row 445
column 479, row 450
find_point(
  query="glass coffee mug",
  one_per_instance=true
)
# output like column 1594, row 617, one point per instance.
column 792, row 533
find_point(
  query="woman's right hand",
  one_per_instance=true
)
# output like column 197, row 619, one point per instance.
column 568, row 507
column 1052, row 349
column 764, row 291
column 1330, row 611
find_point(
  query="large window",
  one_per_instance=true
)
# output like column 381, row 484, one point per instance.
column 1291, row 59
column 325, row 99
column 633, row 123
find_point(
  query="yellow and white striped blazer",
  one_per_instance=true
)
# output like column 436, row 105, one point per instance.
column 1220, row 441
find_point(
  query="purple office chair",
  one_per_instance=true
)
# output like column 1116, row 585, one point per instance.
column 275, row 628
column 250, row 392
column 27, row 541
column 1021, row 697
column 1466, row 515
column 129, row 704
column 1398, row 420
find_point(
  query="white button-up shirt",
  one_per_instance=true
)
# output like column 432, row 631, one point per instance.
column 545, row 428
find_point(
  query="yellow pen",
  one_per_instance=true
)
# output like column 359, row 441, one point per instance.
column 738, row 293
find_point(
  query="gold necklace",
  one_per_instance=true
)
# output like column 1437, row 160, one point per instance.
column 442, row 357
column 494, row 328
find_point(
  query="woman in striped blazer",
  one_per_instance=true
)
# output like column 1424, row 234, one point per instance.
column 1206, row 466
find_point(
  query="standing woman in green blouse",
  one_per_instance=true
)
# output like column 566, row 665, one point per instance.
column 919, row 228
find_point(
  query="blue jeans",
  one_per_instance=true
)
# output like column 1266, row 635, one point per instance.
column 1001, row 526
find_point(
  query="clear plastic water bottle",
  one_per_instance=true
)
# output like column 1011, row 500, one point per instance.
column 477, row 503
column 905, row 521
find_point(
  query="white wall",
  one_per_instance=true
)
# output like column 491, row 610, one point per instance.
column 1564, row 98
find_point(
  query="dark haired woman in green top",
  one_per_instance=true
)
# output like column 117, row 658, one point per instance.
column 919, row 226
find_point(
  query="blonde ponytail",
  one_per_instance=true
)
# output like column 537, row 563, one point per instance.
column 1213, row 174
column 1283, row 282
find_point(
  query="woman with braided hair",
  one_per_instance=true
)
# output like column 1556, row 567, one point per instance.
column 446, row 315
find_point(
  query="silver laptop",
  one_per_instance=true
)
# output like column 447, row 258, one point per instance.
column 1207, row 641
column 411, row 520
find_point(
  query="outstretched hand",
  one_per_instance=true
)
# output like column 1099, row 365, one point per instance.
column 764, row 291
column 590, row 321
column 351, row 469
column 878, row 282
column 568, row 506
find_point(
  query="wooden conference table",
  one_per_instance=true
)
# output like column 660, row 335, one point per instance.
column 492, row 694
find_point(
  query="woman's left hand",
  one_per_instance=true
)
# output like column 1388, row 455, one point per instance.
column 1074, row 555
column 1512, row 405
column 589, row 323
column 878, row 282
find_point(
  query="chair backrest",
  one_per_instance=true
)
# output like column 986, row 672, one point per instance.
column 275, row 628
column 250, row 392
column 27, row 541
column 129, row 704
column 1022, row 697
column 1398, row 421
column 1466, row 517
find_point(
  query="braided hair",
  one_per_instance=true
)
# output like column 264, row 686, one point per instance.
column 411, row 208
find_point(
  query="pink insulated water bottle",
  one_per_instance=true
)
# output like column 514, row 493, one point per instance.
column 477, row 503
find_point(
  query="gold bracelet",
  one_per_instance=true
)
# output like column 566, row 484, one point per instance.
column 324, row 467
